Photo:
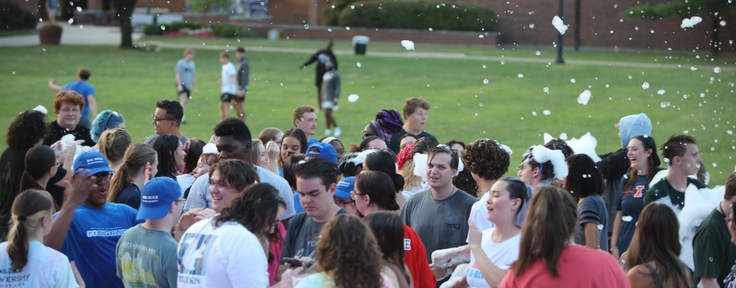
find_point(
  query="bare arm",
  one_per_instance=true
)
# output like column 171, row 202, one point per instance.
column 273, row 156
column 92, row 102
column 592, row 240
column 638, row 278
column 614, row 237
column 53, row 86
column 178, row 80
column 709, row 282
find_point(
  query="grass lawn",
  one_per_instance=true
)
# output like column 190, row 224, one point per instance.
column 463, row 107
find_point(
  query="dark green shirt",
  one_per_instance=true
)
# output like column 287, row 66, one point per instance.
column 713, row 252
column 663, row 189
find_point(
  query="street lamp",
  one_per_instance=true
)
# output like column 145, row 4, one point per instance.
column 559, row 38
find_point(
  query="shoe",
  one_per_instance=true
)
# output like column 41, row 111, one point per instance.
column 337, row 132
column 183, row 119
column 328, row 132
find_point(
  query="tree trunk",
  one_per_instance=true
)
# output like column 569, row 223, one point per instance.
column 124, row 8
column 42, row 12
column 714, row 37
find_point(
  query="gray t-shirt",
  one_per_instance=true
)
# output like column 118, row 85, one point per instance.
column 146, row 258
column 301, row 236
column 592, row 210
column 243, row 70
column 150, row 139
column 440, row 224
column 186, row 72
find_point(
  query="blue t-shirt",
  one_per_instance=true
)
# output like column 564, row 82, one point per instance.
column 312, row 141
column 630, row 202
column 91, row 240
column 83, row 88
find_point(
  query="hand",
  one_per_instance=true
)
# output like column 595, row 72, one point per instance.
column 76, row 193
column 273, row 150
column 301, row 67
column 474, row 235
column 77, row 276
column 148, row 173
column 57, row 149
column 439, row 272
column 187, row 219
column 219, row 81
column 52, row 81
column 205, row 213
column 70, row 150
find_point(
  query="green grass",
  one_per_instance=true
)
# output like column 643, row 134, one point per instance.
column 8, row 33
column 463, row 107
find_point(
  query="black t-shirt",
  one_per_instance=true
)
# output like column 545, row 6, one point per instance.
column 130, row 195
column 396, row 138
column 80, row 133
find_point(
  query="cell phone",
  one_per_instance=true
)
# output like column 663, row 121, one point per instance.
column 293, row 262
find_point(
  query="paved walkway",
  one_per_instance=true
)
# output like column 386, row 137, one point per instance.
column 107, row 35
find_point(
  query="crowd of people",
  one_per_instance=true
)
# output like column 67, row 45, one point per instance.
column 395, row 209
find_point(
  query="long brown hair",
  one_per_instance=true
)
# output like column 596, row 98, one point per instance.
column 135, row 158
column 389, row 232
column 657, row 239
column 549, row 225
column 653, row 161
column 38, row 161
column 348, row 251
column 28, row 211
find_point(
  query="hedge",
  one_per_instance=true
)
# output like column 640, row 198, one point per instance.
column 14, row 18
column 419, row 15
column 220, row 29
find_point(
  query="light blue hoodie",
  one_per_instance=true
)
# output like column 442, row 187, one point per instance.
column 632, row 126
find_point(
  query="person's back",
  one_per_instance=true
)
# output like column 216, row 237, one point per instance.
column 146, row 258
column 46, row 268
column 579, row 266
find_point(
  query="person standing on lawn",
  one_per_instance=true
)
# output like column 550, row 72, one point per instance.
column 228, row 81
column 415, row 113
column 331, row 80
column 322, row 57
column 243, row 74
column 86, row 90
column 185, row 83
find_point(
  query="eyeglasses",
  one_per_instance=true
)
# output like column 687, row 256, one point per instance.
column 70, row 110
column 179, row 201
column 344, row 202
column 156, row 119
column 102, row 177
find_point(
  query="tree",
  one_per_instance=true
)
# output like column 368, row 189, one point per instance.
column 124, row 8
column 685, row 9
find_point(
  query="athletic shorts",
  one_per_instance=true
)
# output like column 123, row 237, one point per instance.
column 227, row 97
column 184, row 89
column 328, row 105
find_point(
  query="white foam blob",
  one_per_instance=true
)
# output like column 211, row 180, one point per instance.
column 690, row 22
column 584, row 97
column 409, row 45
column 560, row 26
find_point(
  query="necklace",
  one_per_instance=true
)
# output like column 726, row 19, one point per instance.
column 720, row 208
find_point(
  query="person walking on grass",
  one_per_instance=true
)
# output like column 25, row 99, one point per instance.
column 185, row 83
column 331, row 81
column 321, row 57
column 243, row 74
column 229, row 89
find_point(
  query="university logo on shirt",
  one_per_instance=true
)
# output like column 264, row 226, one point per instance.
column 195, row 248
column 407, row 244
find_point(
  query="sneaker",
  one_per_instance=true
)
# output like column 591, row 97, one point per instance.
column 328, row 132
column 337, row 132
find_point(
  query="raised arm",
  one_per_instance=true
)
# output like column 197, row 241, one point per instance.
column 76, row 194
column 92, row 102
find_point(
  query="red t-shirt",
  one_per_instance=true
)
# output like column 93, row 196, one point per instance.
column 276, row 248
column 579, row 266
column 415, row 258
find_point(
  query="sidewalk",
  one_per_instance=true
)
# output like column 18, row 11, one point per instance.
column 73, row 35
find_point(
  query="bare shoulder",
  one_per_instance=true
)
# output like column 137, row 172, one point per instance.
column 639, row 276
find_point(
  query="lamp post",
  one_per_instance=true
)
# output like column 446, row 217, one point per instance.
column 559, row 38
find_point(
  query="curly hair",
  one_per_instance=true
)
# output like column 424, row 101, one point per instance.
column 486, row 158
column 584, row 179
column 69, row 97
column 347, row 250
column 464, row 181
column 27, row 129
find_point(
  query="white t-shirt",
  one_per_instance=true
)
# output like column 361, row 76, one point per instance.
column 185, row 181
column 479, row 213
column 501, row 254
column 228, row 85
column 46, row 268
column 228, row 256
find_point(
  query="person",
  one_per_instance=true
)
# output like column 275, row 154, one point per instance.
column 40, row 165
column 293, row 142
column 343, row 196
column 348, row 256
column 387, row 228
column 730, row 280
column 170, row 155
column 166, row 120
column 84, row 89
column 243, row 76
column 337, row 144
column 494, row 250
column 316, row 184
column 370, row 142
column 52, row 8
column 681, row 154
column 406, row 140
column 548, row 256
column 387, row 123
column 106, row 120
column 384, row 161
column 24, row 260
column 585, row 184
column 68, row 106
column 321, row 57
column 713, row 252
column 141, row 163
column 331, row 93
column 258, row 154
column 415, row 114
column 185, row 81
column 228, row 90
column 615, row 165
column 652, row 257
column 441, row 201
column 271, row 138
column 193, row 149
column 235, row 231
column 87, row 227
column 233, row 141
column 27, row 130
column 642, row 154
column 305, row 118
column 405, row 167
column 487, row 161
column 146, row 254
column 290, row 174
column 542, row 164
column 374, row 192
column 113, row 144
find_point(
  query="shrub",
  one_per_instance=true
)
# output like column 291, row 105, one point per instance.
column 330, row 16
column 14, row 18
column 227, row 30
column 420, row 15
column 154, row 29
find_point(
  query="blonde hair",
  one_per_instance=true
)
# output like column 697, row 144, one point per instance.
column 113, row 144
column 29, row 209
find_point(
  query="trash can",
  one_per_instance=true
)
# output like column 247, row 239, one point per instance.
column 360, row 43
column 274, row 34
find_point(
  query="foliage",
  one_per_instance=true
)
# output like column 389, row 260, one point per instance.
column 155, row 29
column 420, row 15
column 210, row 5
column 220, row 29
column 331, row 14
column 14, row 18
column 229, row 31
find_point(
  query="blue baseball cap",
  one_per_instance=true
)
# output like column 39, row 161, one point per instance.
column 344, row 187
column 325, row 151
column 93, row 161
column 157, row 196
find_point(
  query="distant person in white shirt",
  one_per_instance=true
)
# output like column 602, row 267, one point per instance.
column 229, row 89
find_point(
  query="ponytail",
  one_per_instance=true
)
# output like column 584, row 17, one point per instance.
column 28, row 211
column 136, row 157
column 38, row 161
column 27, row 182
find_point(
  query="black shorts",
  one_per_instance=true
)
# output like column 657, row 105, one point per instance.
column 184, row 89
column 318, row 80
column 227, row 97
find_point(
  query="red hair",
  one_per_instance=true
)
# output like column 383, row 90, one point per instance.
column 69, row 97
